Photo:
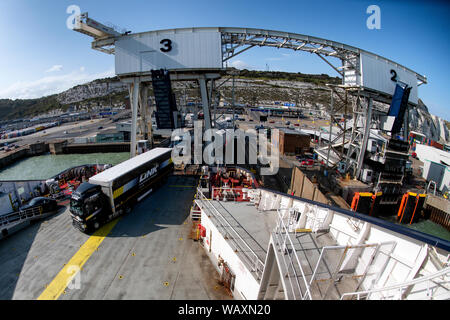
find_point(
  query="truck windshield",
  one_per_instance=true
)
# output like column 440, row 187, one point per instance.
column 92, row 204
column 76, row 207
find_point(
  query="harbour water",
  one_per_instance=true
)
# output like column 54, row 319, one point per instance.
column 46, row 166
column 428, row 226
column 425, row 226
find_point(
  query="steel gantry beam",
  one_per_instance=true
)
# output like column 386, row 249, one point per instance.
column 234, row 38
column 104, row 37
column 235, row 41
column 244, row 39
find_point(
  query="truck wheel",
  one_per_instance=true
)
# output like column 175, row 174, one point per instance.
column 96, row 225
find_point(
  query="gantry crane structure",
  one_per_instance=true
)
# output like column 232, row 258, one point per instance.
column 357, row 68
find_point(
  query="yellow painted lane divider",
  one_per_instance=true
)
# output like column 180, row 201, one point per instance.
column 69, row 271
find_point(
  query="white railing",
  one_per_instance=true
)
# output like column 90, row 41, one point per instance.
column 397, row 291
column 376, row 249
column 286, row 228
column 256, row 264
column 283, row 238
column 196, row 214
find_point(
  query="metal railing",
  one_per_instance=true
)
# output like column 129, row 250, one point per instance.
column 284, row 239
column 21, row 215
column 196, row 213
column 397, row 291
column 286, row 228
column 256, row 264
column 376, row 250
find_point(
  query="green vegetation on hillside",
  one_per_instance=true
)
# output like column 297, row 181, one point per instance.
column 115, row 97
column 25, row 108
column 19, row 108
column 317, row 79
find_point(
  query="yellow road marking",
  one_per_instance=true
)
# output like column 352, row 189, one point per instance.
column 64, row 277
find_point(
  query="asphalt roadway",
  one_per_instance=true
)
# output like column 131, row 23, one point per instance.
column 73, row 129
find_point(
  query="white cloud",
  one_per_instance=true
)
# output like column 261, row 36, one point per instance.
column 239, row 64
column 50, row 84
column 55, row 68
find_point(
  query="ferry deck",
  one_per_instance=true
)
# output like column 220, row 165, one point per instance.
column 148, row 254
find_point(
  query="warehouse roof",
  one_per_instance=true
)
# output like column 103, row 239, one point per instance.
column 433, row 154
column 291, row 131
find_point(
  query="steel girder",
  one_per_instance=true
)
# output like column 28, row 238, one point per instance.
column 234, row 38
column 236, row 41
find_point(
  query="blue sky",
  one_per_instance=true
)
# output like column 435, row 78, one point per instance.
column 40, row 56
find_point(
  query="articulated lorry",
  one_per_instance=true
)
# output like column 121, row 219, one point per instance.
column 116, row 190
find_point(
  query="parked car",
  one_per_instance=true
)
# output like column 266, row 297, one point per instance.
column 47, row 204
column 305, row 156
column 307, row 163
column 302, row 157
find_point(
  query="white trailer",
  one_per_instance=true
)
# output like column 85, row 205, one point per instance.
column 116, row 190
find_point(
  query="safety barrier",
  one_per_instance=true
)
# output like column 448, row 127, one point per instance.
column 14, row 218
column 291, row 260
column 257, row 265
column 397, row 292
column 285, row 231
